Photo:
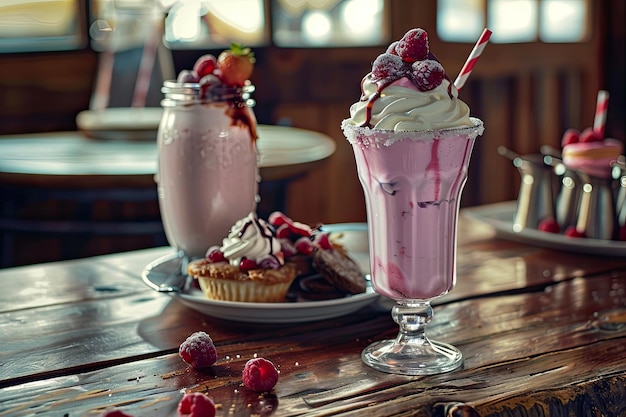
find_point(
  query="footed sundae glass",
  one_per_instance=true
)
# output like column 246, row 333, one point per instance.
column 412, row 183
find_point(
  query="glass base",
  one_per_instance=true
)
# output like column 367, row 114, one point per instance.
column 424, row 358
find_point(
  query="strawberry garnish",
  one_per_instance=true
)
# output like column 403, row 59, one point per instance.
column 236, row 65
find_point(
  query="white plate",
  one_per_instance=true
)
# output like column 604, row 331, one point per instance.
column 164, row 274
column 500, row 217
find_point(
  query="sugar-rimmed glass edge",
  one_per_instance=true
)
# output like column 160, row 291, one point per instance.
column 366, row 136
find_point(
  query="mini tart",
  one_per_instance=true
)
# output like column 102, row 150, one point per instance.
column 225, row 282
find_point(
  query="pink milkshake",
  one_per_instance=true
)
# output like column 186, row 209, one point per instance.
column 207, row 173
column 207, row 169
column 412, row 184
column 412, row 140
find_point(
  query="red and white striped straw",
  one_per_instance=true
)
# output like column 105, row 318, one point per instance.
column 471, row 60
column 602, row 106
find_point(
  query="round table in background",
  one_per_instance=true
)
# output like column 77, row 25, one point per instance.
column 61, row 192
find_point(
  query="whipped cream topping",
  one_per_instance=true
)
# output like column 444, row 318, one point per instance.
column 400, row 106
column 251, row 238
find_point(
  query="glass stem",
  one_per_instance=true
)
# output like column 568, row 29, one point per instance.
column 412, row 317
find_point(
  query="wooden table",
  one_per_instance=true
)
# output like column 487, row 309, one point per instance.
column 543, row 332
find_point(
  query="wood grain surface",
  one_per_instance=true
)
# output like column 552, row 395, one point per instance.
column 542, row 332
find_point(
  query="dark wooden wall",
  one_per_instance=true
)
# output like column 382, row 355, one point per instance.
column 527, row 94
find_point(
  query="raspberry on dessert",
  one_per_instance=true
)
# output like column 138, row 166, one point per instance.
column 304, row 245
column 322, row 241
column 283, row 231
column 391, row 49
column 269, row 263
column 278, row 218
column 300, row 229
column 427, row 74
column 196, row 404
column 259, row 375
column 570, row 136
column 589, row 135
column 198, row 350
column 388, row 66
column 205, row 65
column 549, row 225
column 214, row 254
column 247, row 264
column 413, row 46
column 187, row 76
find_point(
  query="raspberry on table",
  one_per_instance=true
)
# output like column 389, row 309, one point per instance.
column 413, row 46
column 427, row 74
column 259, row 375
column 196, row 404
column 198, row 350
column 388, row 66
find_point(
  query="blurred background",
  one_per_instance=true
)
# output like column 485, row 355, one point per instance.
column 538, row 76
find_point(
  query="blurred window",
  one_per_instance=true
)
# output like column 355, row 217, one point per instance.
column 37, row 25
column 315, row 23
column 514, row 21
column 41, row 25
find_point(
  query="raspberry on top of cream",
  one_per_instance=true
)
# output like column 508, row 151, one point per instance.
column 251, row 238
column 408, row 90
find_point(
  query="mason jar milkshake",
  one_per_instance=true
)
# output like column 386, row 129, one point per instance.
column 207, row 174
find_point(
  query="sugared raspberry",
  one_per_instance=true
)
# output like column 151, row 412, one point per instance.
column 413, row 46
column 214, row 254
column 283, row 231
column 187, row 76
column 196, row 404
column 549, row 225
column 304, row 246
column 300, row 229
column 388, row 66
column 247, row 264
column 198, row 350
column 278, row 218
column 589, row 135
column 114, row 413
column 427, row 74
column 570, row 136
column 205, row 65
column 391, row 49
column 322, row 241
column 572, row 232
column 259, row 375
column 269, row 263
